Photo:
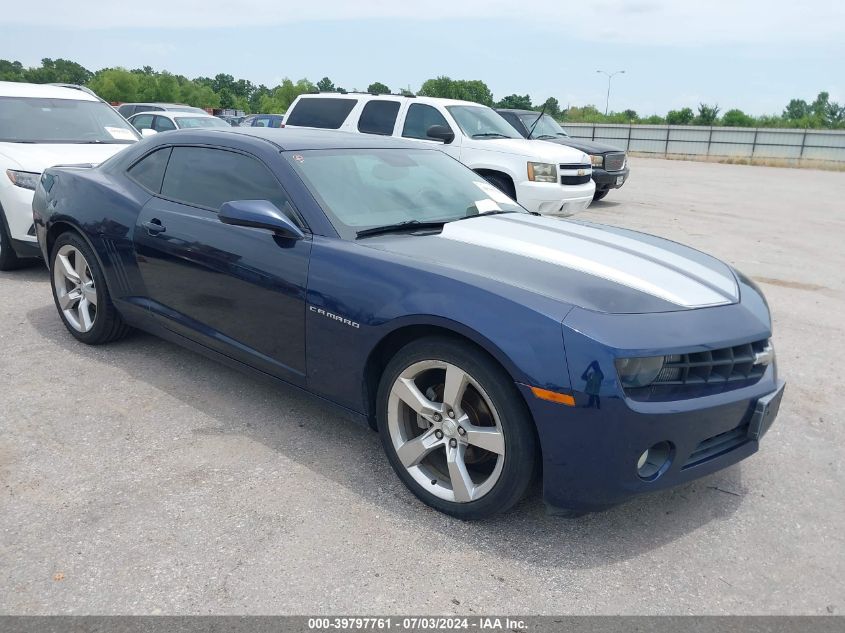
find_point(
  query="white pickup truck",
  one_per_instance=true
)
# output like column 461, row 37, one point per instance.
column 542, row 177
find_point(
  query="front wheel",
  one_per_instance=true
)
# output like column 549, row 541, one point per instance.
column 9, row 260
column 455, row 428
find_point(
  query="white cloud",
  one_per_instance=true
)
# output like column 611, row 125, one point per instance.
column 657, row 22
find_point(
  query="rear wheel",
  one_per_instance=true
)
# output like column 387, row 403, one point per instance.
column 599, row 194
column 80, row 293
column 455, row 429
column 9, row 260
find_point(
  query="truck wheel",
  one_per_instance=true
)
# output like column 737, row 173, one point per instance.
column 502, row 184
column 8, row 257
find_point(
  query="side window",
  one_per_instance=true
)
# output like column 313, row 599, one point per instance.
column 143, row 121
column 207, row 177
column 261, row 122
column 149, row 171
column 126, row 110
column 421, row 117
column 378, row 117
column 163, row 124
column 323, row 112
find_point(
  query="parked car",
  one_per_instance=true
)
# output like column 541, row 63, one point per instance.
column 541, row 177
column 153, row 122
column 128, row 109
column 610, row 164
column 40, row 126
column 231, row 119
column 263, row 120
column 484, row 343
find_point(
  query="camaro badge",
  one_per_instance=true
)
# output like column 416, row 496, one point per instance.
column 336, row 317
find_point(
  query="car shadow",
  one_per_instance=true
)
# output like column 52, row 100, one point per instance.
column 317, row 436
column 604, row 203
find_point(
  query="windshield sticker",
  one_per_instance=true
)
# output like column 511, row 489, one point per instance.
column 120, row 133
column 486, row 205
column 299, row 158
column 492, row 192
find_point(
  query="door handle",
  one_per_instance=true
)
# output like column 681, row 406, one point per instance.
column 154, row 226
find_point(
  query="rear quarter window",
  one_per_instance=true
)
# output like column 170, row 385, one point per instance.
column 378, row 117
column 327, row 113
column 149, row 171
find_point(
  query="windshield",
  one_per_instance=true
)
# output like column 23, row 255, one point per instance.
column 546, row 127
column 200, row 121
column 29, row 120
column 362, row 189
column 481, row 122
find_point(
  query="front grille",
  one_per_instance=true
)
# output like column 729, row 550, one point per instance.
column 717, row 445
column 574, row 180
column 701, row 373
column 614, row 161
column 575, row 173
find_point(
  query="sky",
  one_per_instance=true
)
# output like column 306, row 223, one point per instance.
column 751, row 54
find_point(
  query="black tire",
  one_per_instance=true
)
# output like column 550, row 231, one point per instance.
column 108, row 323
column 9, row 259
column 521, row 452
column 502, row 184
column 599, row 194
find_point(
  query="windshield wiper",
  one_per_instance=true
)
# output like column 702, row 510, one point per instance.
column 536, row 121
column 400, row 226
column 542, row 136
column 489, row 135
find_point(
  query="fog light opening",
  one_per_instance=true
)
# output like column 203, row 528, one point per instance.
column 654, row 461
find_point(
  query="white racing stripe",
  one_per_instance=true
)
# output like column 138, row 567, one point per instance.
column 626, row 261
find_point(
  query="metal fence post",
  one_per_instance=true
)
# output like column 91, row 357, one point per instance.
column 709, row 140
column 628, row 146
column 594, row 132
column 754, row 142
column 803, row 143
column 666, row 148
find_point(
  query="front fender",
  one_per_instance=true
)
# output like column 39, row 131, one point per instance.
column 347, row 318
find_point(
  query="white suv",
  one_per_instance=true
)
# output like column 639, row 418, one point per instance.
column 42, row 125
column 542, row 177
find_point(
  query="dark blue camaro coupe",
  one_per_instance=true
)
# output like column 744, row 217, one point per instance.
column 486, row 344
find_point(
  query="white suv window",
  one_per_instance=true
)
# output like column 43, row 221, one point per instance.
column 323, row 112
column 420, row 117
column 378, row 117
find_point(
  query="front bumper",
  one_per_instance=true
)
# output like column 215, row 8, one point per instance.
column 551, row 198
column 610, row 179
column 17, row 207
column 590, row 451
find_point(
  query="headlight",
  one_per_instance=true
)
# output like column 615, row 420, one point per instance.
column 542, row 172
column 25, row 179
column 639, row 372
column 597, row 160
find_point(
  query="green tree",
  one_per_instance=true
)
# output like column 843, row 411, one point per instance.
column 630, row 115
column 11, row 71
column 707, row 114
column 552, row 107
column 326, row 85
column 654, row 119
column 378, row 88
column 465, row 89
column 58, row 71
column 519, row 102
column 115, row 84
column 227, row 101
column 796, row 109
column 737, row 118
column 684, row 116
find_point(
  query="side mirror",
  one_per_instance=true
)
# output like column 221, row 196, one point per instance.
column 148, row 132
column 441, row 133
column 259, row 214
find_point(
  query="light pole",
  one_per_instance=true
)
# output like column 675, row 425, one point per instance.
column 609, row 77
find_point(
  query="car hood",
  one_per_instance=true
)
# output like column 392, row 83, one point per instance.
column 590, row 147
column 37, row 157
column 533, row 150
column 592, row 266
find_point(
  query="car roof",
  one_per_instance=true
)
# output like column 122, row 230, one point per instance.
column 293, row 139
column 43, row 91
column 171, row 114
column 517, row 111
column 370, row 97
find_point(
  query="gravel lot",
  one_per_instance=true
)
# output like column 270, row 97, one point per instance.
column 142, row 478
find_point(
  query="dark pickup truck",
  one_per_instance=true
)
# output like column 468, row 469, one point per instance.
column 610, row 165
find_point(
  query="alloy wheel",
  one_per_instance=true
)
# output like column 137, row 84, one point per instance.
column 446, row 431
column 75, row 288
